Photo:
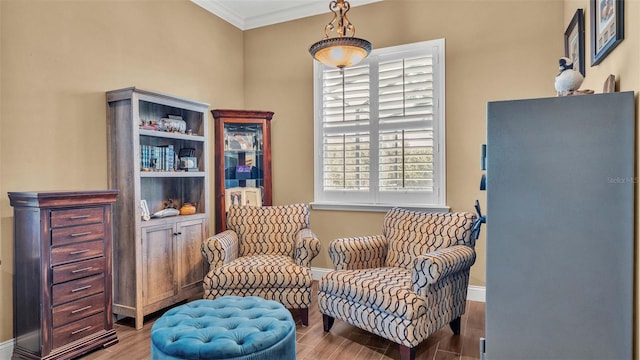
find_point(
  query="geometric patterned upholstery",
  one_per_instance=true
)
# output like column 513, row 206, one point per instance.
column 413, row 233
column 365, row 287
column 267, row 271
column 267, row 230
column 265, row 251
column 405, row 284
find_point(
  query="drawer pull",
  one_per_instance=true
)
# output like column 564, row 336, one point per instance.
column 81, row 309
column 77, row 217
column 81, row 288
column 78, row 252
column 81, row 270
column 81, row 330
column 81, row 234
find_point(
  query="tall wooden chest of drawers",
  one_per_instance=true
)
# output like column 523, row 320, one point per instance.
column 62, row 291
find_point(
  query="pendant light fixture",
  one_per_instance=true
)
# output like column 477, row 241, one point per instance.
column 341, row 51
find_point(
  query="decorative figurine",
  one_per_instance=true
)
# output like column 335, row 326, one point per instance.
column 568, row 80
column 170, row 204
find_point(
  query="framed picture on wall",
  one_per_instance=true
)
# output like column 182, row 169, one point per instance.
column 574, row 41
column 607, row 28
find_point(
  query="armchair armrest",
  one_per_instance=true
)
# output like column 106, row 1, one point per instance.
column 362, row 252
column 432, row 267
column 307, row 247
column 220, row 249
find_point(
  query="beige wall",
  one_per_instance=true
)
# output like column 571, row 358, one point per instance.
column 59, row 57
column 495, row 50
column 623, row 63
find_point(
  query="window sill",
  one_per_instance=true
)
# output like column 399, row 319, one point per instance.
column 376, row 207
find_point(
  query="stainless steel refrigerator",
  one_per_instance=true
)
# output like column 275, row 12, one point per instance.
column 560, row 228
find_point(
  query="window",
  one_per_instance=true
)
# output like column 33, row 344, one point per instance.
column 379, row 130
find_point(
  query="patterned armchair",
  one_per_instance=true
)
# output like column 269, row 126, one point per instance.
column 266, row 252
column 405, row 284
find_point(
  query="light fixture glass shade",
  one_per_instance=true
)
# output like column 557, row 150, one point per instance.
column 340, row 52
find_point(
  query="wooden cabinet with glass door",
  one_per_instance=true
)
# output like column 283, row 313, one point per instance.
column 243, row 160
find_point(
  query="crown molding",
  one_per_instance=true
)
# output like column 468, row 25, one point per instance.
column 222, row 12
column 280, row 11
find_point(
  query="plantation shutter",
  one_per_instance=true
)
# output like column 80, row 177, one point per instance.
column 405, row 118
column 346, row 121
column 380, row 128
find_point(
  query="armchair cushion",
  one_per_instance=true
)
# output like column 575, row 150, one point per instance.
column 269, row 229
column 412, row 233
column 386, row 289
column 260, row 271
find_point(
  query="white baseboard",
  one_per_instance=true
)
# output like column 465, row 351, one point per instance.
column 6, row 349
column 474, row 293
column 477, row 293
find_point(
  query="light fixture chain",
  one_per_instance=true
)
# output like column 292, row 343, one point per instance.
column 340, row 9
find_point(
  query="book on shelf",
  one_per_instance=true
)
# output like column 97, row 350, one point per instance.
column 157, row 158
column 242, row 196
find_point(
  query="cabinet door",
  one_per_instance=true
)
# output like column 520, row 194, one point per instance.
column 190, row 261
column 158, row 266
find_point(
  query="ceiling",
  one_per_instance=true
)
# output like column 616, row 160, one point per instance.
column 251, row 14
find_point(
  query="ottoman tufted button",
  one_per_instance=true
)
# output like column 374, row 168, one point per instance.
column 229, row 327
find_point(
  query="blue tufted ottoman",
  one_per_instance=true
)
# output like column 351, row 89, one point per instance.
column 230, row 327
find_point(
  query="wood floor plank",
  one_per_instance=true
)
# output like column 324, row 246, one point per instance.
column 343, row 342
column 350, row 350
column 302, row 351
column 369, row 354
column 471, row 343
column 327, row 349
column 447, row 340
column 476, row 315
column 446, row 355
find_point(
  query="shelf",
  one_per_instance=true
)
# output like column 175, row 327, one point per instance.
column 172, row 219
column 176, row 174
column 171, row 135
column 235, row 151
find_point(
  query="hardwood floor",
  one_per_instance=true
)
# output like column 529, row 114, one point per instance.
column 343, row 342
